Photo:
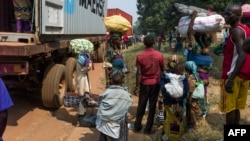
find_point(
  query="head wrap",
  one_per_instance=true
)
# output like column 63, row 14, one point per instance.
column 172, row 61
column 191, row 67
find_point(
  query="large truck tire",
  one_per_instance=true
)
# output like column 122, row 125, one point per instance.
column 54, row 86
column 100, row 53
column 70, row 72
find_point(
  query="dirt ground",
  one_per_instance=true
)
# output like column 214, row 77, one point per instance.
column 30, row 121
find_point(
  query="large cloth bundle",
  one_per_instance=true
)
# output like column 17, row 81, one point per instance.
column 78, row 46
column 117, row 23
column 188, row 10
column 207, row 24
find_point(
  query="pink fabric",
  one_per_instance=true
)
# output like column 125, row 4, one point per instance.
column 245, row 10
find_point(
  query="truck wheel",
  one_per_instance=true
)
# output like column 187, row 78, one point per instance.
column 54, row 86
column 70, row 72
column 100, row 52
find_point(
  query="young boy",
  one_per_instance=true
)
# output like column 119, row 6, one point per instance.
column 111, row 116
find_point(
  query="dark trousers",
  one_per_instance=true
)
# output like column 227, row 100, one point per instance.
column 178, row 47
column 123, row 133
column 151, row 93
column 3, row 122
column 104, row 137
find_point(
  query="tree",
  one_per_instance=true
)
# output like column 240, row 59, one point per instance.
column 160, row 16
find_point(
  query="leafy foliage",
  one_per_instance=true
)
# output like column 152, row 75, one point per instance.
column 159, row 15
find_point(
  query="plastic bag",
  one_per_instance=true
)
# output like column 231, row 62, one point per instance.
column 117, row 23
column 175, row 87
column 199, row 91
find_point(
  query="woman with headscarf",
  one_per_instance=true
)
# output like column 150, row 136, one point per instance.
column 193, row 110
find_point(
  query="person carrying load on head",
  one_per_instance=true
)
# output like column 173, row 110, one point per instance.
column 83, row 66
column 116, row 26
column 114, row 60
column 199, row 54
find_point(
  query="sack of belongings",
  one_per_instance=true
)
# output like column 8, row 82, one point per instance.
column 207, row 24
column 188, row 10
column 116, row 23
column 78, row 46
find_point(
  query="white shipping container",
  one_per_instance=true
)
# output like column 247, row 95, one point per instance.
column 72, row 16
column 57, row 19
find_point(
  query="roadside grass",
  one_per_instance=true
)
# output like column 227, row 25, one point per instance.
column 211, row 127
column 132, row 51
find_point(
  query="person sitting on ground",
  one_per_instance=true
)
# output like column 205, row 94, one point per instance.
column 111, row 115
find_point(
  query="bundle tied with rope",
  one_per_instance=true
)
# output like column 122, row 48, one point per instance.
column 84, row 49
column 117, row 23
column 117, row 26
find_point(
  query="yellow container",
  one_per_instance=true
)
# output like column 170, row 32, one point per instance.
column 172, row 127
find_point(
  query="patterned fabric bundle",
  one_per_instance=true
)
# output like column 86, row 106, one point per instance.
column 78, row 46
column 22, row 9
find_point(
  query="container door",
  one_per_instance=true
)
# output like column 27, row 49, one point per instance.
column 52, row 16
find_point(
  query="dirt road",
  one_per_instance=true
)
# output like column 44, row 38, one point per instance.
column 30, row 121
